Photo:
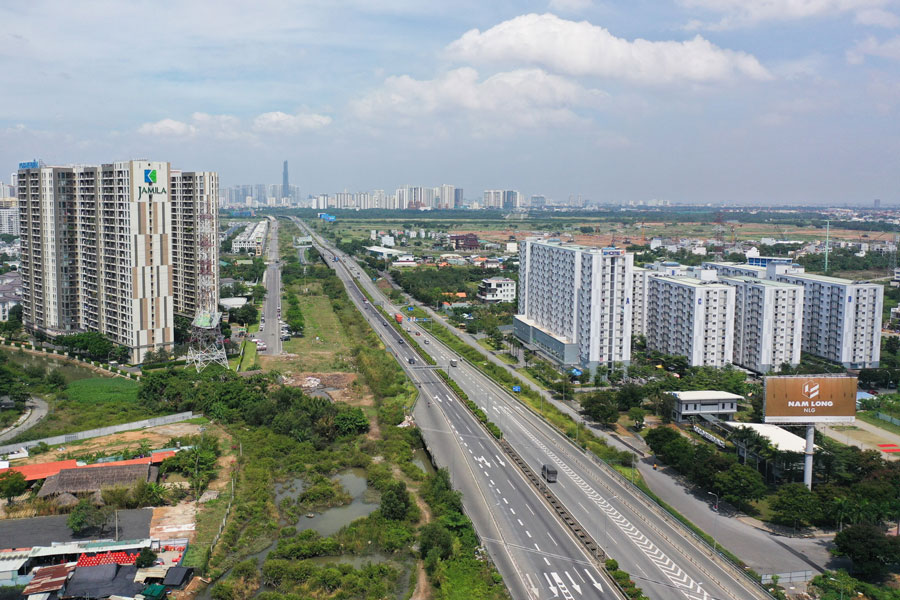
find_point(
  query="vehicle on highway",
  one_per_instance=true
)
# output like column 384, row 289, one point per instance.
column 548, row 472
column 412, row 361
column 453, row 362
column 399, row 341
column 261, row 347
column 426, row 340
column 418, row 333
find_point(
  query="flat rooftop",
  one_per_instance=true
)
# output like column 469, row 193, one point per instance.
column 758, row 281
column 827, row 279
column 691, row 281
column 701, row 395
column 781, row 439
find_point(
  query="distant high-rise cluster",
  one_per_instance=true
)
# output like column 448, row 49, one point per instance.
column 114, row 248
column 580, row 306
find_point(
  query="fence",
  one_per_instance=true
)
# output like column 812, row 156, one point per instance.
column 888, row 418
column 92, row 433
column 792, row 577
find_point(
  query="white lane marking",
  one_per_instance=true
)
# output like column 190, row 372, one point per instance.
column 527, row 533
column 512, row 511
column 680, row 580
column 562, row 586
column 529, row 510
column 492, row 482
column 553, row 540
column 506, row 501
column 536, row 547
column 521, row 524
column 594, row 581
column 550, row 584
column 575, row 586
column 499, row 462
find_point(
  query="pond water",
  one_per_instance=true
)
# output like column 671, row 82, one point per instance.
column 70, row 371
column 364, row 502
column 423, row 461
column 327, row 522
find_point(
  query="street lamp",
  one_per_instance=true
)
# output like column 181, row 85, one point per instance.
column 716, row 521
column 840, row 584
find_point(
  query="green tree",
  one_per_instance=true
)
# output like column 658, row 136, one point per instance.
column 637, row 414
column 86, row 517
column 891, row 343
column 629, row 395
column 740, row 485
column 12, row 484
column 145, row 559
column 795, row 505
column 395, row 501
column 351, row 421
column 601, row 407
column 258, row 293
column 869, row 548
column 56, row 380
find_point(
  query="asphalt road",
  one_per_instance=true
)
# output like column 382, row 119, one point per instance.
column 39, row 410
column 766, row 552
column 660, row 557
column 532, row 550
column 270, row 330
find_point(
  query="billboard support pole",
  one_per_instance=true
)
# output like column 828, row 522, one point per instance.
column 808, row 458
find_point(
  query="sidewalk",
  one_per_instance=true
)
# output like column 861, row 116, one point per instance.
column 865, row 436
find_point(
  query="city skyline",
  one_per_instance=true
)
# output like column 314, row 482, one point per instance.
column 687, row 100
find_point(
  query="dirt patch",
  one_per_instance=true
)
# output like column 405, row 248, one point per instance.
column 423, row 587
column 157, row 437
column 171, row 522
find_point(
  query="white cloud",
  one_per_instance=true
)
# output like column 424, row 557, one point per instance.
column 889, row 49
column 229, row 127
column 524, row 98
column 749, row 12
column 580, row 48
column 570, row 6
column 168, row 128
column 279, row 122
column 877, row 17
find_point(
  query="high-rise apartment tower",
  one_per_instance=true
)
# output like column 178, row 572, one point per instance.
column 112, row 248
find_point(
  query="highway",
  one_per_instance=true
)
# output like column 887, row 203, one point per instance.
column 662, row 558
column 270, row 331
column 536, row 555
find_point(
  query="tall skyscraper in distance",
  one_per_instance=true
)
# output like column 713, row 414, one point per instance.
column 285, row 182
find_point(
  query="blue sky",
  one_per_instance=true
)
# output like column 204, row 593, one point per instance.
column 722, row 101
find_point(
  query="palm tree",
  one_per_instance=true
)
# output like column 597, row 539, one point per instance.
column 839, row 508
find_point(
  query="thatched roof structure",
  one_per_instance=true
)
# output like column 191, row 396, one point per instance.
column 83, row 481
column 66, row 500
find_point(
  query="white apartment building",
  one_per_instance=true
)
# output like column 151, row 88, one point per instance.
column 496, row 289
column 252, row 240
column 841, row 318
column 768, row 323
column 639, row 300
column 9, row 221
column 98, row 250
column 195, row 250
column 687, row 316
column 493, row 199
column 733, row 269
column 574, row 302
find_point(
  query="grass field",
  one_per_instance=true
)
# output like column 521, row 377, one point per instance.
column 323, row 348
column 88, row 404
column 871, row 418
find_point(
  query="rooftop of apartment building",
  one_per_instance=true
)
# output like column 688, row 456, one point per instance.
column 571, row 245
column 829, row 279
column 690, row 281
column 758, row 281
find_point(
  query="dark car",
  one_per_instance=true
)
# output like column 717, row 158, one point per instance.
column 412, row 361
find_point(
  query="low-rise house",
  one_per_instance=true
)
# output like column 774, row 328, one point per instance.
column 710, row 403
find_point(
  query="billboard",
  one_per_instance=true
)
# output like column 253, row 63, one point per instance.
column 810, row 399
